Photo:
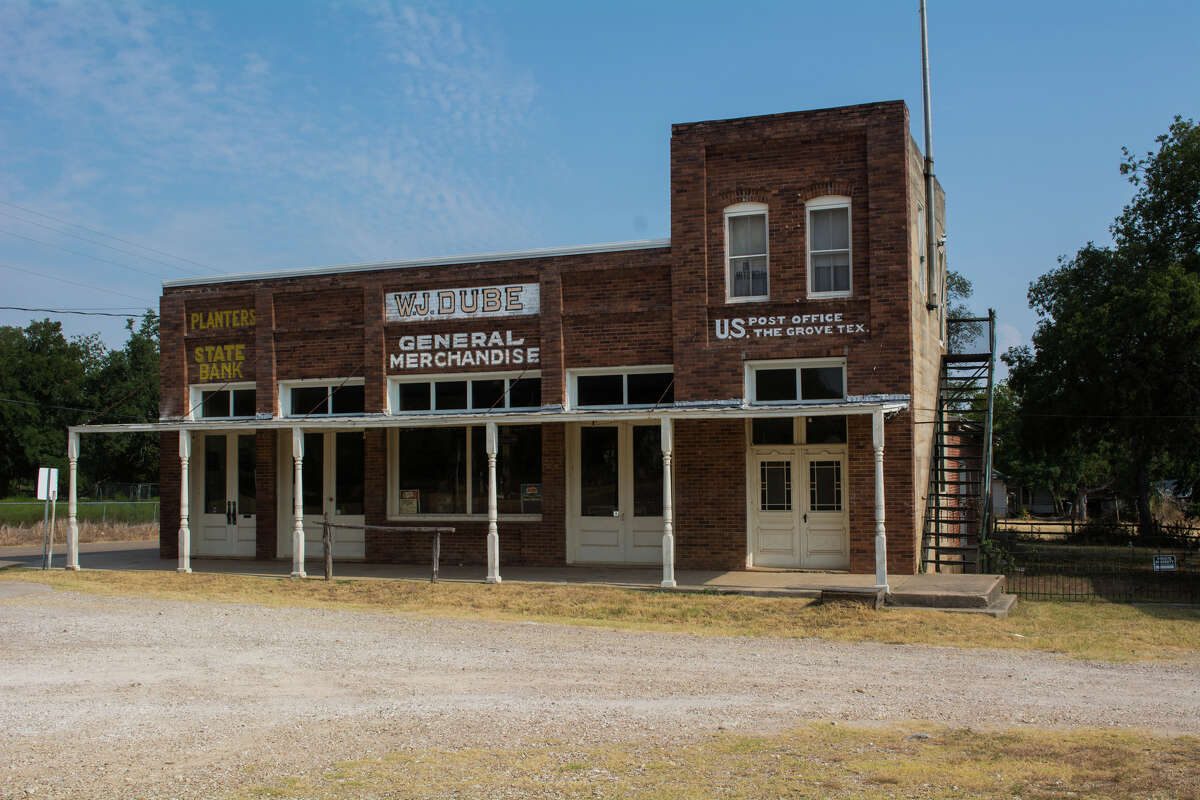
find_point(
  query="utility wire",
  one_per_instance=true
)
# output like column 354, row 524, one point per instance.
column 69, row 311
column 109, row 235
column 93, row 241
column 77, row 253
column 74, row 283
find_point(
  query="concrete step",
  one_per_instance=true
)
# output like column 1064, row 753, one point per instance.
column 948, row 590
column 998, row 608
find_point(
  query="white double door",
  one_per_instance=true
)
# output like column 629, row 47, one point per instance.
column 224, row 484
column 798, row 513
column 333, row 471
column 614, row 494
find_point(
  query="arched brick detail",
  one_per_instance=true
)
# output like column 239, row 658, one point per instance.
column 825, row 188
column 746, row 194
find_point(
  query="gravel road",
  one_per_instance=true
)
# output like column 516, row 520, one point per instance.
column 128, row 697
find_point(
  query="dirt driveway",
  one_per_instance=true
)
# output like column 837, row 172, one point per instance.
column 122, row 697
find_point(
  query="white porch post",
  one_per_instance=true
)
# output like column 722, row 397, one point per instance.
column 880, row 531
column 185, row 533
column 493, row 534
column 668, row 543
column 298, row 504
column 72, row 522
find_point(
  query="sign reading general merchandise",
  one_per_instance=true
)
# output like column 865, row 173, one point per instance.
column 424, row 305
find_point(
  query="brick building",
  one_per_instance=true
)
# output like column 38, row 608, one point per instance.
column 725, row 396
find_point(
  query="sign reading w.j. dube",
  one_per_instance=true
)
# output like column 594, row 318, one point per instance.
column 423, row 305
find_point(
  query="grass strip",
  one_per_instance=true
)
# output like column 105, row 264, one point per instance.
column 1091, row 631
column 818, row 760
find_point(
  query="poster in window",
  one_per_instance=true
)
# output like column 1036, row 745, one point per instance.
column 531, row 497
column 410, row 501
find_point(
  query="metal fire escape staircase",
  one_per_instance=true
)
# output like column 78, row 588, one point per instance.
column 958, row 510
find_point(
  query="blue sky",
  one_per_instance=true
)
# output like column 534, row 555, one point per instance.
column 244, row 136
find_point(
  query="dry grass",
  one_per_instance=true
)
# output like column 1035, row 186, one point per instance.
column 1099, row 631
column 14, row 535
column 817, row 760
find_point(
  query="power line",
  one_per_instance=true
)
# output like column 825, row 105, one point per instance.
column 74, row 283
column 69, row 311
column 45, row 405
column 77, row 253
column 109, row 235
column 92, row 241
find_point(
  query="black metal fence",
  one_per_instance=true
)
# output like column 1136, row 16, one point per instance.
column 1053, row 566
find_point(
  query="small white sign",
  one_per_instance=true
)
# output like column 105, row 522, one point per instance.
column 1165, row 563
column 471, row 302
column 47, row 483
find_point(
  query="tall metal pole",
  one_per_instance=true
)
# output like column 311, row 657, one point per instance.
column 931, row 269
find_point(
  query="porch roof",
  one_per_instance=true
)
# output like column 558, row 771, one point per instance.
column 731, row 409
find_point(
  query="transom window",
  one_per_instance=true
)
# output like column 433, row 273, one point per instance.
column 466, row 393
column 746, row 252
column 640, row 387
column 223, row 401
column 440, row 471
column 322, row 399
column 798, row 430
column 828, row 246
column 796, row 381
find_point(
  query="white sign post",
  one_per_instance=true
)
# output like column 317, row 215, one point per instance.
column 47, row 490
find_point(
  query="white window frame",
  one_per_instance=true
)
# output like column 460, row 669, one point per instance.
column 624, row 372
column 828, row 203
column 393, row 488
column 285, row 394
column 752, row 367
column 196, row 396
column 394, row 382
column 746, row 210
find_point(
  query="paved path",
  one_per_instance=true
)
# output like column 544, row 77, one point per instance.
column 128, row 697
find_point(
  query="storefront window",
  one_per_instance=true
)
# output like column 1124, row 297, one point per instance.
column 518, row 470
column 431, row 471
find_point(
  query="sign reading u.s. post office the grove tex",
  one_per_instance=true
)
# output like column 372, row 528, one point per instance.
column 427, row 305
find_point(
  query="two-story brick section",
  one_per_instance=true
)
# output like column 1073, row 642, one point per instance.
column 741, row 394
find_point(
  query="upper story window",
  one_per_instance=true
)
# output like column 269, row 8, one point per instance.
column 223, row 401
column 493, row 392
column 828, row 247
column 633, row 387
column 321, row 398
column 807, row 381
column 746, row 252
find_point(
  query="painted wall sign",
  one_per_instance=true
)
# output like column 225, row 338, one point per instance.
column 457, row 350
column 787, row 326
column 221, row 320
column 219, row 362
column 507, row 300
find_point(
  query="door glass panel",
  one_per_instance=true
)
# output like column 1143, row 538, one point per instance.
column 825, row 486
column 245, row 476
column 314, row 474
column 597, row 471
column 214, row 475
column 776, row 479
column 647, row 471
column 348, row 489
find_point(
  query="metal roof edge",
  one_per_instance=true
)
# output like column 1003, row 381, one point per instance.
column 507, row 255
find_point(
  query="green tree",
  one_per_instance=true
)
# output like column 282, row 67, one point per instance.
column 1113, row 375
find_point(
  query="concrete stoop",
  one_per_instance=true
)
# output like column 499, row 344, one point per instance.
column 984, row 595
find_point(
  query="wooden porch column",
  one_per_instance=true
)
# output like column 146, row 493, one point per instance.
column 298, row 504
column 72, row 521
column 493, row 534
column 185, row 533
column 668, row 542
column 880, row 531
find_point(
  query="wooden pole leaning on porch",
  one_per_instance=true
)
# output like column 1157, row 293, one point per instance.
column 298, row 504
column 880, row 530
column 185, row 532
column 493, row 534
column 72, row 492
column 327, row 542
column 668, row 541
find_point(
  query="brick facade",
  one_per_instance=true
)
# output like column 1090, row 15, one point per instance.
column 650, row 304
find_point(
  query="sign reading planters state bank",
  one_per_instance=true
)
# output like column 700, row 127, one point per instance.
column 428, row 305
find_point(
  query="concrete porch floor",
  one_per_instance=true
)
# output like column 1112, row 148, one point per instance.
column 932, row 590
